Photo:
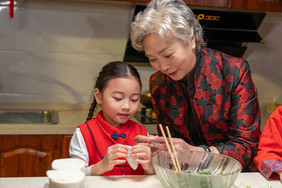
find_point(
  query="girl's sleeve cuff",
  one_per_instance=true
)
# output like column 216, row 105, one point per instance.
column 270, row 167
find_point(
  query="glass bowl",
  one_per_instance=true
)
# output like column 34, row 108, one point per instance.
column 198, row 169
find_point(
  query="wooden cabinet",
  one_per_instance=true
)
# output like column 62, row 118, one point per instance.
column 203, row 3
column 261, row 5
column 258, row 5
column 66, row 146
column 209, row 3
column 26, row 156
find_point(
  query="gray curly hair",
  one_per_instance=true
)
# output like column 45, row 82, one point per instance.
column 170, row 19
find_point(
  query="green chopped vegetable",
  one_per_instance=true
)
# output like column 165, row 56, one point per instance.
column 204, row 172
column 201, row 172
column 186, row 171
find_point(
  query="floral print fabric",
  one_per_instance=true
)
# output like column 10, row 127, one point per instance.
column 224, row 105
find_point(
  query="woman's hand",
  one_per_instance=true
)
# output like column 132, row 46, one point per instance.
column 142, row 139
column 142, row 153
column 179, row 144
column 159, row 143
column 112, row 158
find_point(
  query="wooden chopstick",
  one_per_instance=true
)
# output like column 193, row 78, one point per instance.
column 168, row 147
column 173, row 150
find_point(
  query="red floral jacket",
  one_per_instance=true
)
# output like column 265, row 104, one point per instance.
column 217, row 106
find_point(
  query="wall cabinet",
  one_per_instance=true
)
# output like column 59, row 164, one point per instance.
column 259, row 5
column 205, row 3
column 28, row 156
column 208, row 3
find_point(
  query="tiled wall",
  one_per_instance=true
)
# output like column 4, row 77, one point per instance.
column 266, row 63
column 51, row 51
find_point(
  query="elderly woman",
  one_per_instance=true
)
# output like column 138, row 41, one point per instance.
column 206, row 97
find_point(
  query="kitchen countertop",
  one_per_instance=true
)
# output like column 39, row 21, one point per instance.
column 70, row 116
column 244, row 180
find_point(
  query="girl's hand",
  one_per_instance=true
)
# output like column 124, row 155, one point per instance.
column 280, row 174
column 112, row 158
column 142, row 153
column 113, row 155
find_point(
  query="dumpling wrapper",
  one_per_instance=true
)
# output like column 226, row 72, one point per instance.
column 131, row 160
column 66, row 178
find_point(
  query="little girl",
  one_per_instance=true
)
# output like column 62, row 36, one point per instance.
column 104, row 142
column 269, row 155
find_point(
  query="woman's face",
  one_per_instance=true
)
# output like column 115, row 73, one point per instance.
column 175, row 59
column 119, row 100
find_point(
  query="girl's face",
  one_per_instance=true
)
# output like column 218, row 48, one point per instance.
column 119, row 100
column 175, row 59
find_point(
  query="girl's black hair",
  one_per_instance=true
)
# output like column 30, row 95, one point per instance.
column 115, row 69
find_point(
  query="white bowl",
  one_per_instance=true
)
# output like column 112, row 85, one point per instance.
column 68, row 163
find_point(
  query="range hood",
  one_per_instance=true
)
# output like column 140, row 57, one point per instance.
column 224, row 30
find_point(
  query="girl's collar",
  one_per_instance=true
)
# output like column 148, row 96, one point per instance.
column 108, row 127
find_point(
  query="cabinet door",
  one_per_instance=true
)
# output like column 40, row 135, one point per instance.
column 27, row 156
column 209, row 3
column 202, row 3
column 263, row 5
column 66, row 146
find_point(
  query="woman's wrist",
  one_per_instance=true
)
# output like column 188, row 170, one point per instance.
column 205, row 147
column 211, row 149
column 214, row 149
column 196, row 148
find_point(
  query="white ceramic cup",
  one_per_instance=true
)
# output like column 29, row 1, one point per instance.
column 66, row 178
column 68, row 163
